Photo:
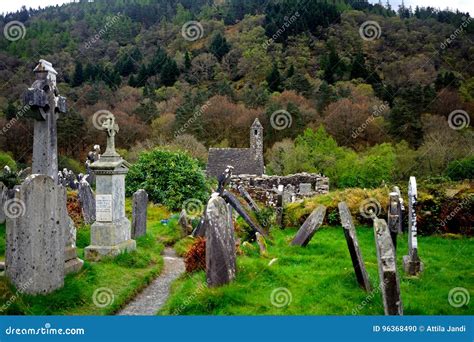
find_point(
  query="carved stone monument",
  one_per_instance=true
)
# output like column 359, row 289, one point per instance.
column 394, row 218
column 110, row 233
column 411, row 262
column 139, row 213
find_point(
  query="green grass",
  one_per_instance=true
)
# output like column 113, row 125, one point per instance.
column 321, row 279
column 124, row 276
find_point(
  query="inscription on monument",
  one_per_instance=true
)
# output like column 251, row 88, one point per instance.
column 103, row 204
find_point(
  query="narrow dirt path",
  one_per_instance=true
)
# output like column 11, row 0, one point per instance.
column 152, row 298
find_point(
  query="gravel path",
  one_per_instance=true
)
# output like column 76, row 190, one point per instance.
column 152, row 298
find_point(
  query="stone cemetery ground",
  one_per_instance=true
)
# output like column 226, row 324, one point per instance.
column 317, row 279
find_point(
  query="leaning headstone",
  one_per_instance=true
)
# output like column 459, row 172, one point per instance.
column 310, row 226
column 3, row 200
column 35, row 238
column 389, row 283
column 411, row 262
column 279, row 206
column 87, row 201
column 248, row 199
column 262, row 245
column 200, row 229
column 139, row 213
column 353, row 246
column 394, row 218
column 111, row 232
column 220, row 243
column 184, row 224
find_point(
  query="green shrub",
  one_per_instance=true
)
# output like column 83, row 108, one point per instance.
column 461, row 169
column 7, row 160
column 70, row 164
column 168, row 177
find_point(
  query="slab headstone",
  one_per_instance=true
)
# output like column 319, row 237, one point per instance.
column 279, row 206
column 220, row 243
column 3, row 200
column 305, row 189
column 353, row 246
column 389, row 282
column 139, row 213
column 394, row 217
column 200, row 229
column 411, row 262
column 248, row 199
column 262, row 244
column 310, row 226
column 87, row 201
column 184, row 224
column 35, row 239
column 111, row 232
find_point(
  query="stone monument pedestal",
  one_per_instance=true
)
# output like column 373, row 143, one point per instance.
column 411, row 265
column 111, row 232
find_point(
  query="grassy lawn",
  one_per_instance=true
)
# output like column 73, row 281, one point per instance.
column 123, row 276
column 321, row 279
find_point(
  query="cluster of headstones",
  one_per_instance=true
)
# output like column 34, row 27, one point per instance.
column 40, row 235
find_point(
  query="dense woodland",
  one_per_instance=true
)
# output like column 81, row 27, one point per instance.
column 363, row 111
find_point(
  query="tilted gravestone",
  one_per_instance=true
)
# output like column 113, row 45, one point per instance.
column 248, row 199
column 139, row 213
column 279, row 206
column 35, row 237
column 200, row 230
column 353, row 246
column 411, row 262
column 184, row 224
column 220, row 243
column 394, row 218
column 3, row 200
column 87, row 202
column 310, row 226
column 389, row 282
column 111, row 232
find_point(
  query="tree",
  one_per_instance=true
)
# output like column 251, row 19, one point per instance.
column 274, row 79
column 219, row 46
column 169, row 73
column 187, row 60
column 78, row 77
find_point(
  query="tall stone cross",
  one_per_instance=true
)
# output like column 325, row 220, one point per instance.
column 45, row 103
column 112, row 129
column 411, row 262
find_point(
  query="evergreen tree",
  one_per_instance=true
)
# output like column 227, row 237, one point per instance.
column 358, row 68
column 274, row 79
column 78, row 77
column 219, row 46
column 169, row 73
column 187, row 61
column 291, row 71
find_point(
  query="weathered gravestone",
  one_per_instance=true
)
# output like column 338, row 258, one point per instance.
column 279, row 206
column 139, row 213
column 411, row 262
column 110, row 233
column 184, row 224
column 220, row 243
column 87, row 201
column 35, row 238
column 389, row 283
column 200, row 230
column 248, row 199
column 262, row 244
column 394, row 218
column 71, row 262
column 353, row 246
column 305, row 188
column 3, row 200
column 310, row 226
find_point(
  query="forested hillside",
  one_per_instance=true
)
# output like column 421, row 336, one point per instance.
column 391, row 88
